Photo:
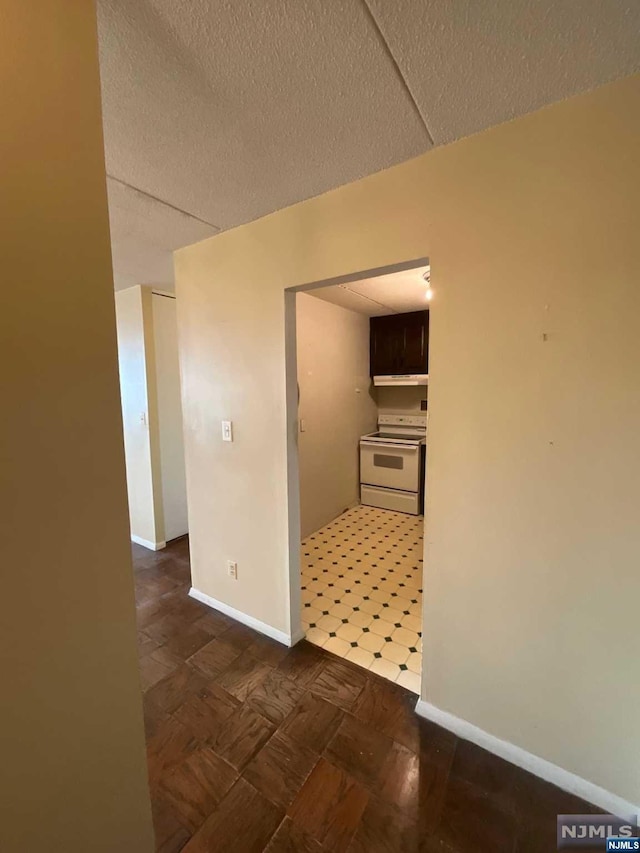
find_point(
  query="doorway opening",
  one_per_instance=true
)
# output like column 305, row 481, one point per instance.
column 357, row 400
column 152, row 415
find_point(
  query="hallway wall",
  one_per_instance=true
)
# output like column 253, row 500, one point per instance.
column 73, row 773
column 533, row 542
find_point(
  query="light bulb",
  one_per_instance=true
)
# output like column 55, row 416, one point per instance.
column 429, row 294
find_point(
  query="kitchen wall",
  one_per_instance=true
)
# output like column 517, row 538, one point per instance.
column 401, row 399
column 73, row 773
column 336, row 407
column 533, row 543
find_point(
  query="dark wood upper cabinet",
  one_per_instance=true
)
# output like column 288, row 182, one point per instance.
column 399, row 343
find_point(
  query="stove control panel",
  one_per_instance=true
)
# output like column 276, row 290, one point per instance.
column 403, row 420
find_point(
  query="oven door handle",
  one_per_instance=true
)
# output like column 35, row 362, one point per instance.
column 411, row 448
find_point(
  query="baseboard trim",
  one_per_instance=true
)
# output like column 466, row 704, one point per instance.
column 147, row 543
column 244, row 618
column 612, row 803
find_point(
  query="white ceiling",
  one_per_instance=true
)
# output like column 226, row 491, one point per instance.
column 395, row 293
column 218, row 112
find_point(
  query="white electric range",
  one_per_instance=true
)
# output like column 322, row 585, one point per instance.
column 392, row 463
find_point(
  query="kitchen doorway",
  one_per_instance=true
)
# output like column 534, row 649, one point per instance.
column 357, row 383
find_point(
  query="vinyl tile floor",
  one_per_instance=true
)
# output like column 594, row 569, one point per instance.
column 362, row 591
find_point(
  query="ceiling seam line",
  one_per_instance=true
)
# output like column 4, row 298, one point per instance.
column 369, row 299
column 162, row 201
column 397, row 68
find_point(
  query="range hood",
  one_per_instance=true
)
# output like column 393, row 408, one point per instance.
column 396, row 379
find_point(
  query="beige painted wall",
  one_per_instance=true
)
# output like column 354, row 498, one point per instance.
column 73, row 773
column 336, row 405
column 136, row 361
column 533, row 542
column 404, row 398
column 171, row 442
column 152, row 415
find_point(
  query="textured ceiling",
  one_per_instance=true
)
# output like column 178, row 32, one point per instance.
column 217, row 112
column 471, row 64
column 395, row 293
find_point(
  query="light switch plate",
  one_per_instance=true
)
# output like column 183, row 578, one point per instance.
column 227, row 431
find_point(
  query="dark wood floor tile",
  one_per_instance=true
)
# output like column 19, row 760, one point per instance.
column 384, row 829
column 165, row 627
column 166, row 657
column 212, row 660
column 187, row 609
column 435, row 745
column 339, row 684
column 149, row 613
column 538, row 803
column 152, row 671
column 154, row 717
column 205, row 712
column 291, row 839
column 280, row 769
column 380, row 704
column 146, row 644
column 241, row 736
column 390, row 709
column 239, row 636
column 243, row 823
column 170, row 834
column 415, row 786
column 213, row 622
column 474, row 822
column 275, row 697
column 340, row 748
column 540, row 836
column 186, row 644
column 359, row 750
column 536, row 799
column 435, row 844
column 244, row 675
column 494, row 776
column 171, row 744
column 313, row 722
column 196, row 786
column 329, row 806
column 169, row 693
column 267, row 650
column 303, row 663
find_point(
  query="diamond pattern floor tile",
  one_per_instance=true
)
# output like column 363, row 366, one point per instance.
column 362, row 591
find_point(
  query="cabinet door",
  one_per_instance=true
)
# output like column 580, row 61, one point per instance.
column 387, row 345
column 399, row 343
column 416, row 347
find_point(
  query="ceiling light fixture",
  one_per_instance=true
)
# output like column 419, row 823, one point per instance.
column 426, row 276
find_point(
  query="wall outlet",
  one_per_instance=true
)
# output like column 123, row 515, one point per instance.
column 232, row 569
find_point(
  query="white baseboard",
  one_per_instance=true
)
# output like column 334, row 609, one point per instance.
column 612, row 803
column 239, row 616
column 147, row 543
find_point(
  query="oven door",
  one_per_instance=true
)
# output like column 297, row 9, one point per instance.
column 392, row 466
